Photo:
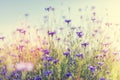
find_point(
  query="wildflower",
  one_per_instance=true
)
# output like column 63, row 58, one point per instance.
column 48, row 73
column 49, row 58
column 94, row 13
column 49, row 8
column 21, row 31
column 46, row 51
column 46, row 64
column 1, row 79
column 92, row 68
column 104, row 51
column 55, row 61
column 51, row 33
column 79, row 34
column 2, row 38
column 100, row 63
column 20, row 47
column 80, row 55
column 4, row 71
column 66, row 53
column 38, row 78
column 102, row 78
column 58, row 39
column 15, row 74
column 67, row 21
column 68, row 74
column 0, row 61
column 84, row 44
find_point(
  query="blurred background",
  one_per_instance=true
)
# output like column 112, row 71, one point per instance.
column 15, row 13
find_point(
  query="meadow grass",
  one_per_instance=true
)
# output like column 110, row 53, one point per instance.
column 61, row 53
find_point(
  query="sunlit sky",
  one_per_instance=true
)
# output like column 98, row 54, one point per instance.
column 12, row 11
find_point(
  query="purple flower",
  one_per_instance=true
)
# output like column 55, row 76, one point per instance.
column 84, row 44
column 66, row 53
column 79, row 34
column 92, row 68
column 51, row 33
column 48, row 73
column 0, row 61
column 68, row 74
column 15, row 74
column 49, row 8
column 67, row 21
column 49, row 58
column 100, row 63
column 80, row 55
column 56, row 61
column 2, row 38
column 104, row 51
column 46, row 64
column 46, row 51
column 1, row 79
column 38, row 78
column 4, row 70
column 102, row 78
column 58, row 39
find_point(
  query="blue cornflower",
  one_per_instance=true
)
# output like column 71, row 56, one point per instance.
column 46, row 64
column 79, row 34
column 80, row 55
column 100, row 63
column 56, row 61
column 16, row 74
column 67, row 21
column 46, row 51
column 44, row 58
column 92, row 68
column 68, row 74
column 38, row 78
column 102, row 78
column 4, row 70
column 66, row 53
column 47, row 9
column 48, row 73
column 84, row 44
column 49, row 58
column 51, row 33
